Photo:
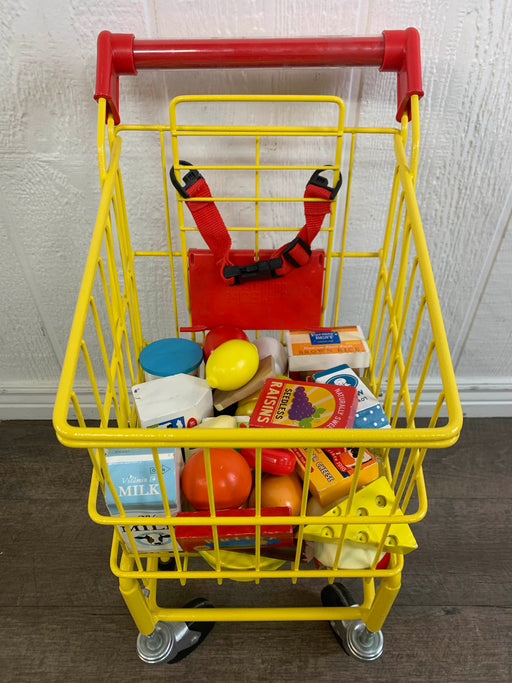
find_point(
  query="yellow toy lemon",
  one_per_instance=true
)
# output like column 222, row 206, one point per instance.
column 246, row 407
column 232, row 364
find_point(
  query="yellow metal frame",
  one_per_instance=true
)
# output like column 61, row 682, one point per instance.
column 108, row 311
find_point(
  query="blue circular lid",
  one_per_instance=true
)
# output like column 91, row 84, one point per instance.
column 166, row 357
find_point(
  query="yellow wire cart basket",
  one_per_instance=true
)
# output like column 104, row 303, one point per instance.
column 368, row 268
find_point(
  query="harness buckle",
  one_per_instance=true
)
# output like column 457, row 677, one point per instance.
column 259, row 270
column 188, row 179
column 291, row 245
column 320, row 181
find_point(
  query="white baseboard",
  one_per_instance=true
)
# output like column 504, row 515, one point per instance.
column 492, row 399
column 36, row 403
column 477, row 399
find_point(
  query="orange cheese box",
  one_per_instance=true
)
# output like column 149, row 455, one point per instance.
column 285, row 403
column 332, row 470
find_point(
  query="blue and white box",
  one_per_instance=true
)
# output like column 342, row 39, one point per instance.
column 135, row 479
column 369, row 411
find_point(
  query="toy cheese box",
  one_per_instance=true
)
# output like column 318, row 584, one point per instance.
column 135, row 479
column 239, row 536
column 332, row 470
column 286, row 403
column 175, row 401
column 323, row 349
column 369, row 411
column 378, row 498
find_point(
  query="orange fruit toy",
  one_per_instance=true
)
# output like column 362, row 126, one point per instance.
column 231, row 478
column 278, row 490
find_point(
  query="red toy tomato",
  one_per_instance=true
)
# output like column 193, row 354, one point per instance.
column 231, row 476
column 220, row 334
column 280, row 491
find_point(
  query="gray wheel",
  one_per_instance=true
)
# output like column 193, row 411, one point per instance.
column 157, row 647
column 171, row 641
column 353, row 636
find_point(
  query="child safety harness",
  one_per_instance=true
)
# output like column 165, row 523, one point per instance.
column 290, row 256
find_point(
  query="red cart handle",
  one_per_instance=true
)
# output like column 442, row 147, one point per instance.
column 121, row 54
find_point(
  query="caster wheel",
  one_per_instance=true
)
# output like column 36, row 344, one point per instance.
column 171, row 641
column 353, row 636
column 169, row 565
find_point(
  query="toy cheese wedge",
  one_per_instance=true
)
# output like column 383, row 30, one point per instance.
column 375, row 499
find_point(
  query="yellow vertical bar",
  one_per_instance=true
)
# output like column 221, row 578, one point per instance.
column 415, row 142
column 257, row 479
column 135, row 601
column 128, row 259
column 386, row 593
column 165, row 502
column 353, row 489
column 380, row 305
column 330, row 232
column 345, row 226
column 179, row 199
column 303, row 506
column 169, row 233
column 211, row 504
column 257, row 194
column 100, row 139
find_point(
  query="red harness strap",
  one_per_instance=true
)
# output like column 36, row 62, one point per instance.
column 210, row 224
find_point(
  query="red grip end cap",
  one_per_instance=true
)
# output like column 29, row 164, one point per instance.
column 402, row 54
column 115, row 58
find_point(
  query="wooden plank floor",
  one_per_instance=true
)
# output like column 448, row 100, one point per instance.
column 63, row 619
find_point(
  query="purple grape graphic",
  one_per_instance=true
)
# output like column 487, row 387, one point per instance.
column 302, row 410
column 301, row 406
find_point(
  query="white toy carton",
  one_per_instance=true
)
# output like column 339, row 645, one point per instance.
column 176, row 401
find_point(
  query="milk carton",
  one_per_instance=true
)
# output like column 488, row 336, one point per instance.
column 135, row 479
column 176, row 401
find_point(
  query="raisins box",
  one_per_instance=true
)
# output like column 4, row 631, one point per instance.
column 287, row 403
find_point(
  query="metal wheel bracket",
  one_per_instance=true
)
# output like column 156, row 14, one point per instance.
column 171, row 641
column 352, row 634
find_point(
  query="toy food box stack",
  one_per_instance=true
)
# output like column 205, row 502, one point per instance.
column 135, row 479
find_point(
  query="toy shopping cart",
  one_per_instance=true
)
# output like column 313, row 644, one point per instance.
column 239, row 163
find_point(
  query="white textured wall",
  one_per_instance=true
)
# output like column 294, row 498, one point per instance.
column 49, row 188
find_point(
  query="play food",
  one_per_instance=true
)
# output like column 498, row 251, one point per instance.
column 219, row 422
column 280, row 490
column 269, row 346
column 231, row 477
column 232, row 364
column 246, row 406
column 166, row 357
column 224, row 399
column 273, row 460
column 220, row 334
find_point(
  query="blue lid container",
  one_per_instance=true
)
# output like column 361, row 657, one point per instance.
column 166, row 357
